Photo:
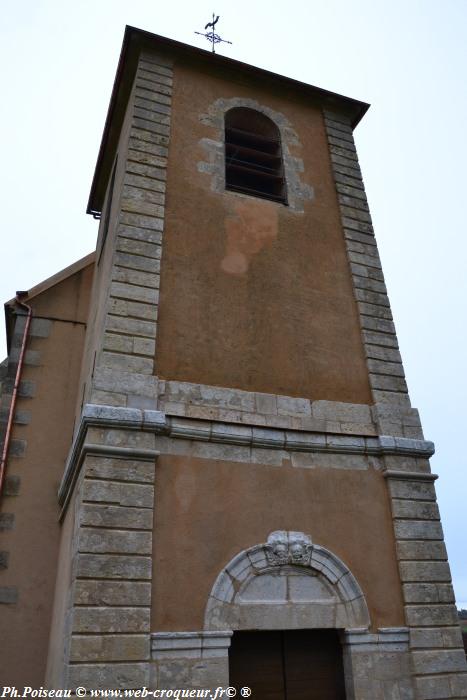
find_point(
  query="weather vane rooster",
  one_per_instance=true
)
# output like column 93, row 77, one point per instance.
column 211, row 35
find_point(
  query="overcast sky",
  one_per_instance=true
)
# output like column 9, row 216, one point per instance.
column 408, row 58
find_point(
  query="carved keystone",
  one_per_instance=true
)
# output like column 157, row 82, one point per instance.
column 288, row 548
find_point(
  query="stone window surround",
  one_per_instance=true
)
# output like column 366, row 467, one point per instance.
column 297, row 191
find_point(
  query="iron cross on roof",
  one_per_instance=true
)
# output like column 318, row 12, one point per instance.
column 211, row 35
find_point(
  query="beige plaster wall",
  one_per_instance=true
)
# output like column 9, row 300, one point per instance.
column 33, row 542
column 206, row 512
column 254, row 295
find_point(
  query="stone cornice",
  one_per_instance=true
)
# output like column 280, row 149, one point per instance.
column 106, row 417
column 299, row 440
column 159, row 423
column 234, row 434
column 411, row 476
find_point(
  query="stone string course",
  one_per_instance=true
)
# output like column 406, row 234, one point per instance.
column 438, row 658
column 234, row 442
column 124, row 372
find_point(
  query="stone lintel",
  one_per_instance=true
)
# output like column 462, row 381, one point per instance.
column 387, row 639
column 203, row 644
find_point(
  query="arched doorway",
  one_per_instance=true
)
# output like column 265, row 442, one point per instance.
column 286, row 602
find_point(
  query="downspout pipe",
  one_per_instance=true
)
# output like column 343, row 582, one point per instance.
column 19, row 369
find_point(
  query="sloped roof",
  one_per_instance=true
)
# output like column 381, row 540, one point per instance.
column 43, row 287
column 134, row 41
column 56, row 278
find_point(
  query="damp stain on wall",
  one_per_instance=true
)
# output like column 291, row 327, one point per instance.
column 250, row 227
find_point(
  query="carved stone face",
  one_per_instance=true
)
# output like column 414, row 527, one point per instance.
column 297, row 552
column 288, row 548
column 281, row 552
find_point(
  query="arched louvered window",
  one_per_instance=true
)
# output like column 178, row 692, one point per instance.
column 253, row 155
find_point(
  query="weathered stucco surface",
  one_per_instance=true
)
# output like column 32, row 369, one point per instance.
column 208, row 511
column 51, row 377
column 254, row 295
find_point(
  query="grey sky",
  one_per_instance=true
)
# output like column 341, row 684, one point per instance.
column 407, row 58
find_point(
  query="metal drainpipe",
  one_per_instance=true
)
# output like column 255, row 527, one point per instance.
column 19, row 369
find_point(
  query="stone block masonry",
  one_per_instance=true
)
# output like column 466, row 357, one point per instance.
column 386, row 373
column 190, row 659
column 109, row 610
column 377, row 666
column 392, row 410
column 124, row 368
column 438, row 658
column 435, row 639
column 286, row 412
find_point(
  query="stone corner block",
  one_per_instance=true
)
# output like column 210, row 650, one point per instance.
column 112, row 413
column 126, row 676
column 155, row 419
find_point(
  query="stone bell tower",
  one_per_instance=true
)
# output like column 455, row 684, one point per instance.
column 248, row 498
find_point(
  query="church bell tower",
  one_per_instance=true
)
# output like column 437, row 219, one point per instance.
column 248, row 499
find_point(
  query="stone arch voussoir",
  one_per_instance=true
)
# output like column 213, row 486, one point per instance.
column 288, row 582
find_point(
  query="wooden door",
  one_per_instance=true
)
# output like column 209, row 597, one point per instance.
column 288, row 665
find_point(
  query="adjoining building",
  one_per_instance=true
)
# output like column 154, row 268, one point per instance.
column 217, row 396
